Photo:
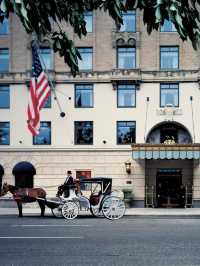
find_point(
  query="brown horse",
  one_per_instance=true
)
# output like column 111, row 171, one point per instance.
column 25, row 195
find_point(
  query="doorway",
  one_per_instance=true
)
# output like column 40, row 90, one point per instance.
column 169, row 189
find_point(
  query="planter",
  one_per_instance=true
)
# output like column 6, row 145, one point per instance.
column 128, row 197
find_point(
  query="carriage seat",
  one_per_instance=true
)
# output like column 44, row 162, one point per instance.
column 95, row 197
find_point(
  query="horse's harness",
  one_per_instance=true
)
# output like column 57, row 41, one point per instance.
column 19, row 196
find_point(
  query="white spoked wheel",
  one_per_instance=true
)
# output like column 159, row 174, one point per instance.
column 113, row 208
column 95, row 211
column 57, row 212
column 70, row 210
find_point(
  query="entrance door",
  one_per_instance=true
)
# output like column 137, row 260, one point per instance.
column 168, row 188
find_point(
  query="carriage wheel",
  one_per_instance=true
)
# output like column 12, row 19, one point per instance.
column 57, row 212
column 95, row 212
column 113, row 208
column 70, row 210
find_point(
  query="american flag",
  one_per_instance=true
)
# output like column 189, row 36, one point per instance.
column 39, row 93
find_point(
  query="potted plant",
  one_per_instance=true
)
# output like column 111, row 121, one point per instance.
column 128, row 197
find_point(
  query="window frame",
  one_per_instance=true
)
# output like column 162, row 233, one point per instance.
column 134, row 89
column 92, row 52
column 7, row 27
column 126, row 47
column 92, row 95
column 42, row 48
column 128, row 13
column 168, row 31
column 178, row 57
column 8, row 88
column 124, row 121
column 5, row 49
column 42, row 144
column 75, row 138
column 89, row 14
column 161, row 106
column 8, row 122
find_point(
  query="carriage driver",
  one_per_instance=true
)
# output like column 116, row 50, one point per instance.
column 69, row 182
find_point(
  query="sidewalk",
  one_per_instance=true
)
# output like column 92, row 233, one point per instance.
column 134, row 212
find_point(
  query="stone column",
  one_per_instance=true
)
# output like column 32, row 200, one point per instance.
column 139, row 183
column 196, row 183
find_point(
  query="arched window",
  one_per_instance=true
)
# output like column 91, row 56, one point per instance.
column 24, row 172
column 169, row 132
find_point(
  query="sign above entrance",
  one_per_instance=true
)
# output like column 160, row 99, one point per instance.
column 164, row 151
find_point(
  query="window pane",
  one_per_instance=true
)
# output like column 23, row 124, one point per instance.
column 86, row 62
column 4, row 133
column 47, row 103
column 125, row 132
column 4, row 60
column 169, row 57
column 129, row 21
column 84, row 132
column 46, row 58
column 84, row 96
column 168, row 26
column 44, row 137
column 169, row 95
column 89, row 21
column 4, row 97
column 126, row 57
column 4, row 27
column 126, row 96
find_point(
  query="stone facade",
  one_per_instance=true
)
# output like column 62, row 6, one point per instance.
column 102, row 158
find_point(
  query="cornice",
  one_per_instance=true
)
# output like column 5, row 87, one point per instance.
column 143, row 76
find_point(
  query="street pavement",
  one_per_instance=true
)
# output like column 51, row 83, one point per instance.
column 36, row 241
column 143, row 212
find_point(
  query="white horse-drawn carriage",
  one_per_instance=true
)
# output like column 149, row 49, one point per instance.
column 93, row 194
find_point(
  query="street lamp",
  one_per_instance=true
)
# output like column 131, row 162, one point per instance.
column 128, row 166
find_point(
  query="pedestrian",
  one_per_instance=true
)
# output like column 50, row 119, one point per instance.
column 69, row 183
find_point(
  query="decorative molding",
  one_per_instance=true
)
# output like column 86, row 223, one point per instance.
column 106, row 76
column 125, row 39
column 169, row 111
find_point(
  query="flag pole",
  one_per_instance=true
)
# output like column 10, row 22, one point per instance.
column 62, row 114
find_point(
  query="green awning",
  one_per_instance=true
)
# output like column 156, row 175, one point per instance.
column 165, row 151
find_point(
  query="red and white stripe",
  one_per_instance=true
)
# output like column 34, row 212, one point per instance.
column 39, row 93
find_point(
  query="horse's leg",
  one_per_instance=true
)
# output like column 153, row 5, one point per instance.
column 19, row 205
column 42, row 207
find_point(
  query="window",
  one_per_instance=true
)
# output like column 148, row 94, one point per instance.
column 84, row 132
column 46, row 58
column 4, row 96
column 126, row 96
column 168, row 26
column 169, row 57
column 4, row 27
column 4, row 133
column 89, row 21
column 84, row 96
column 169, row 95
column 129, row 21
column 47, row 103
column 44, row 137
column 125, row 132
column 86, row 62
column 4, row 60
column 126, row 58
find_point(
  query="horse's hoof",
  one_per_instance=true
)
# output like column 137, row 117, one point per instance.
column 20, row 216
